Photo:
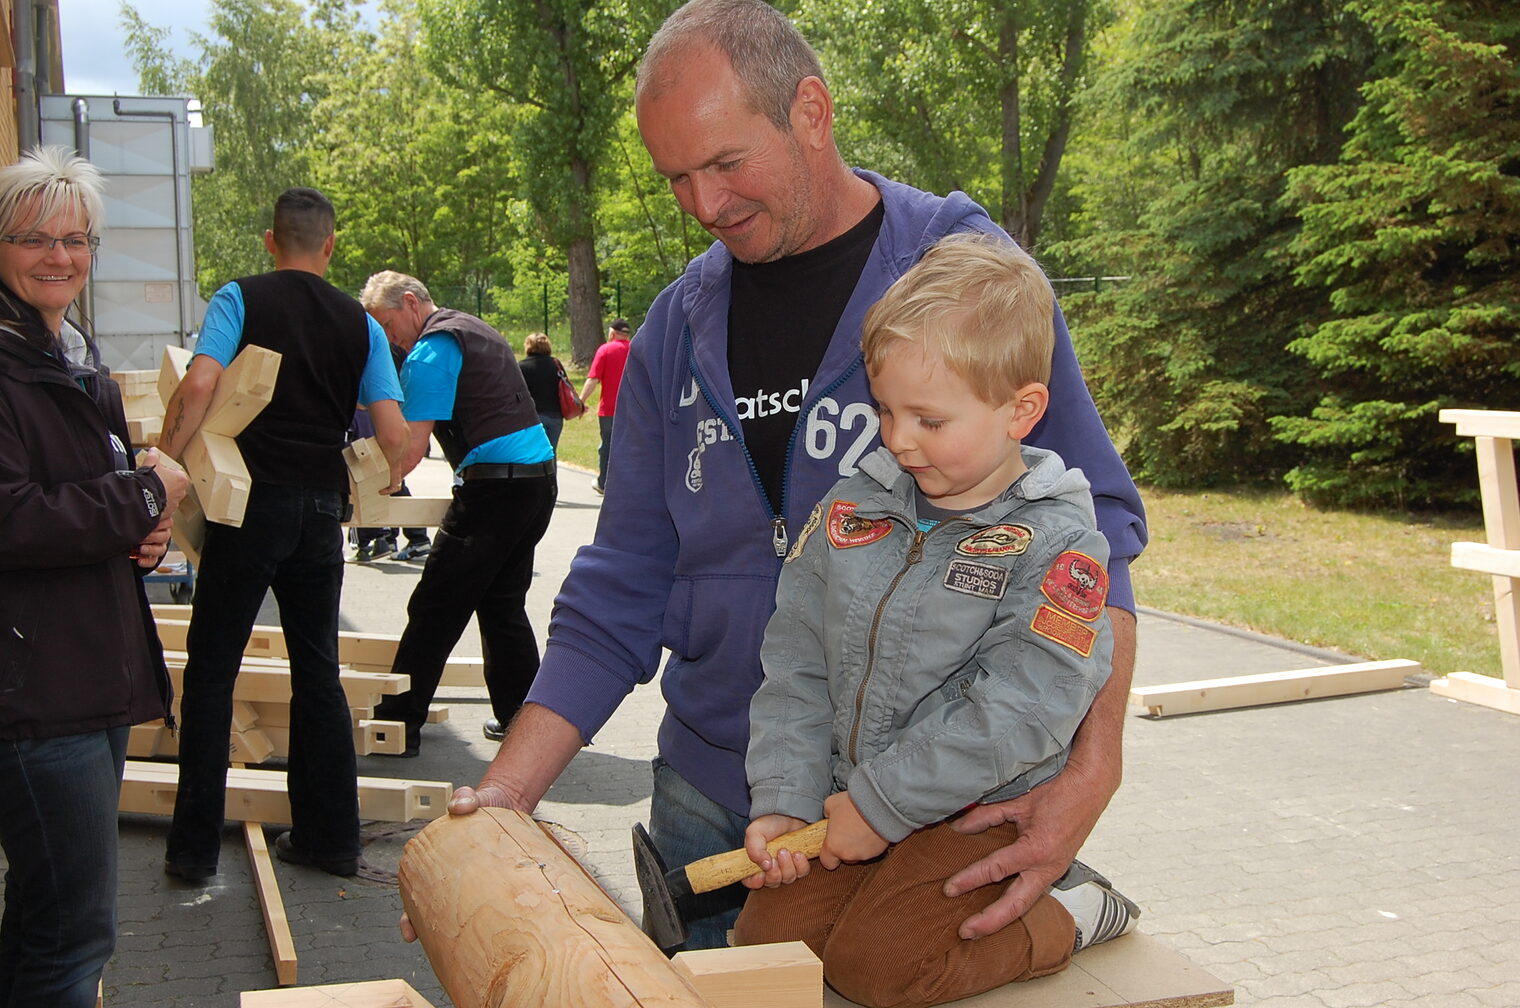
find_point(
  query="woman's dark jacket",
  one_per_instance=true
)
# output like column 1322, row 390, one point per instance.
column 541, row 371
column 78, row 648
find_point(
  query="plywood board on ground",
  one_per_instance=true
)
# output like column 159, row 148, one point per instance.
column 368, row 994
column 1136, row 971
column 1272, row 687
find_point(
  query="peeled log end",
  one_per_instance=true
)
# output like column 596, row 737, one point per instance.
column 508, row 918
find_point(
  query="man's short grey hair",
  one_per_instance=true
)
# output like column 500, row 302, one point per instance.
column 386, row 288
column 46, row 181
column 769, row 55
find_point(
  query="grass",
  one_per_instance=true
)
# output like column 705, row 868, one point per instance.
column 1380, row 586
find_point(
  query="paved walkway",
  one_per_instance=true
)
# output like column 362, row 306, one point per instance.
column 1353, row 851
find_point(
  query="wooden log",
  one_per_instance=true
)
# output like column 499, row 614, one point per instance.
column 366, row 994
column 1272, row 687
column 532, row 928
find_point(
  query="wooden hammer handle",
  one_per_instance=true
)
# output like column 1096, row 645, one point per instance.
column 725, row 869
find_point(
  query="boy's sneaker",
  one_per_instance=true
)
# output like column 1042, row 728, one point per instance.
column 414, row 551
column 1100, row 912
column 381, row 548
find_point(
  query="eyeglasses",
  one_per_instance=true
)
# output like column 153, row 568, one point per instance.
column 72, row 244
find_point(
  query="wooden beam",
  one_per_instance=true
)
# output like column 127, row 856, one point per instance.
column 534, row 929
column 1478, row 689
column 1272, row 687
column 783, row 975
column 1483, row 423
column 1501, row 563
column 259, row 795
column 282, row 946
column 366, row 994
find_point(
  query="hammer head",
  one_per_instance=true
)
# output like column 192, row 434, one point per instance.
column 662, row 919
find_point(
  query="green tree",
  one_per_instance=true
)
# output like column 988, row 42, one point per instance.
column 1415, row 232
column 1218, row 99
column 421, row 172
column 561, row 63
column 159, row 70
column 961, row 94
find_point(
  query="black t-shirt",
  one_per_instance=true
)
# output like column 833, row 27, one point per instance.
column 780, row 320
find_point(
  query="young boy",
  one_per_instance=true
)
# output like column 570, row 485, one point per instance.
column 939, row 634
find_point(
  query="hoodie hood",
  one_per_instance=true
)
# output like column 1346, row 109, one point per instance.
column 1047, row 478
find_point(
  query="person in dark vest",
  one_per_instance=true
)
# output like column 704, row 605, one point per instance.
column 463, row 386
column 333, row 355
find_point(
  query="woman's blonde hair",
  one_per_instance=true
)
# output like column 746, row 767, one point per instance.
column 537, row 343
column 45, row 182
column 979, row 303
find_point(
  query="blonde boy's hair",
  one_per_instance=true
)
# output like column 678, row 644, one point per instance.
column 977, row 302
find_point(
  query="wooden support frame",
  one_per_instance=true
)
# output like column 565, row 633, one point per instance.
column 218, row 477
column 1494, row 434
column 368, row 474
column 1272, row 687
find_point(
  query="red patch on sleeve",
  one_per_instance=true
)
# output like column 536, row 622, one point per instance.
column 1076, row 584
column 845, row 530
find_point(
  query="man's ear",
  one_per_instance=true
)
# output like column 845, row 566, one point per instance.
column 329, row 245
column 269, row 245
column 812, row 113
column 1029, row 404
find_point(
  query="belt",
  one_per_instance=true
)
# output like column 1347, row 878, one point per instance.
column 507, row 470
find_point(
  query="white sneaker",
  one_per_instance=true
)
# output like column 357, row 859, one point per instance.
column 1100, row 912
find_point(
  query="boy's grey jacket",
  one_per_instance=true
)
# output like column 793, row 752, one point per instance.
column 923, row 684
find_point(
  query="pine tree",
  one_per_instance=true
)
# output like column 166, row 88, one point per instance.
column 1415, row 231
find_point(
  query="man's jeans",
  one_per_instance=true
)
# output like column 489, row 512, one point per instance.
column 58, row 801
column 481, row 565
column 686, row 825
column 604, row 450
column 290, row 541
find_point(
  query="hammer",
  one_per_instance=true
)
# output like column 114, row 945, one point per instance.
column 662, row 888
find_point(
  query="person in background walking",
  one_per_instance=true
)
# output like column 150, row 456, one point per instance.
column 543, row 372
column 607, row 371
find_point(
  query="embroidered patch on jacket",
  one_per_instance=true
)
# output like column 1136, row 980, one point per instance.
column 846, row 530
column 999, row 540
column 979, row 579
column 1055, row 625
column 807, row 530
column 1077, row 584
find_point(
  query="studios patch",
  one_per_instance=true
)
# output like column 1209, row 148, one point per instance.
column 1061, row 628
column 807, row 530
column 999, row 540
column 982, row 580
column 846, row 530
column 1076, row 584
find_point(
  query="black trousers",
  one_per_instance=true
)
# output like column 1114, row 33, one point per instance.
column 481, row 563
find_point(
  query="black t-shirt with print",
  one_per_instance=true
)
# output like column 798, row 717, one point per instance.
column 780, row 320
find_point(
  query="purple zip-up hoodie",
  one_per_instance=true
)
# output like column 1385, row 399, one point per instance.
column 687, row 549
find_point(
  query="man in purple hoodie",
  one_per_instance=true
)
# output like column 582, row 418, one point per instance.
column 743, row 401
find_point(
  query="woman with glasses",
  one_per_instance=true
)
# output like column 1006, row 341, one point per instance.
column 80, row 660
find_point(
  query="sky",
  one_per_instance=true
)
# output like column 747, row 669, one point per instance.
column 94, row 61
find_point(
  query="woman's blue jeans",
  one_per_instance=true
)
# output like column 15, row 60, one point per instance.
column 58, row 799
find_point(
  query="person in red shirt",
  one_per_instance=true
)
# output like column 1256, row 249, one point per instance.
column 607, row 372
